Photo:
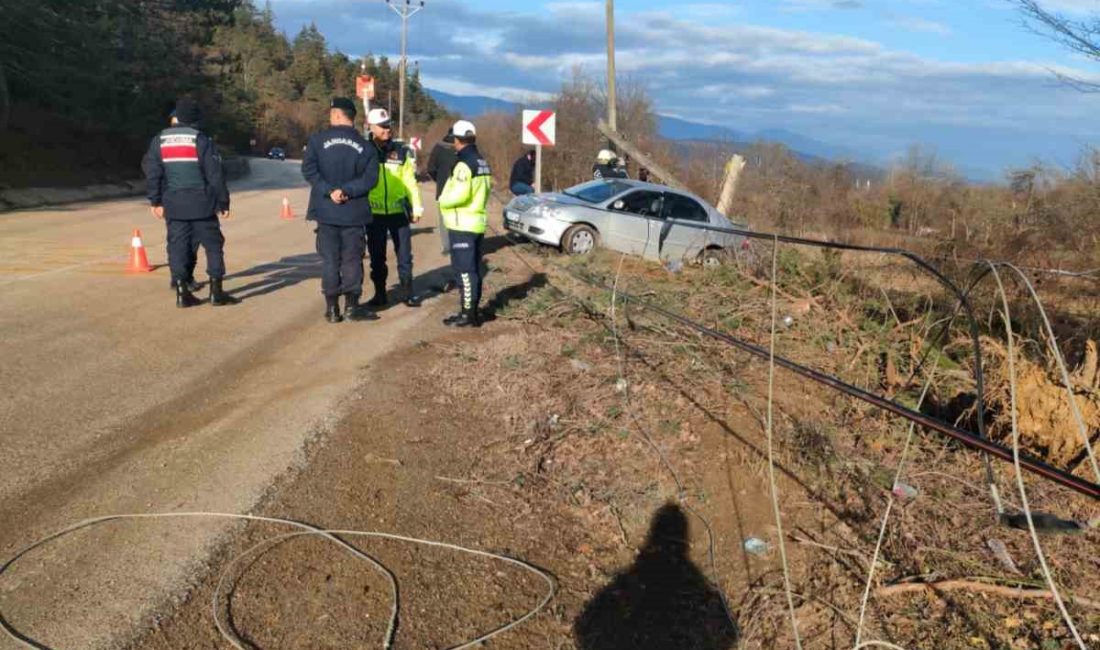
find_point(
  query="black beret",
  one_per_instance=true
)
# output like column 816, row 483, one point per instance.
column 344, row 104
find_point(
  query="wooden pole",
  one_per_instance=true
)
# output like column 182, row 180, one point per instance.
column 729, row 187
column 641, row 158
column 612, row 106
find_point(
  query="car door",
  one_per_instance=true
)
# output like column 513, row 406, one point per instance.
column 630, row 222
column 673, row 234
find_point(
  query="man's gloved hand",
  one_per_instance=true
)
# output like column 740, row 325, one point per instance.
column 418, row 214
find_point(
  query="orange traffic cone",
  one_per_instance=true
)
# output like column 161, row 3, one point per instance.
column 139, row 261
column 287, row 214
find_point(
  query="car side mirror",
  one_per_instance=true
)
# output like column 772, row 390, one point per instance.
column 655, row 207
column 618, row 205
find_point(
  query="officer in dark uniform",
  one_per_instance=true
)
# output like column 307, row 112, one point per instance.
column 186, row 187
column 608, row 165
column 440, row 165
column 342, row 169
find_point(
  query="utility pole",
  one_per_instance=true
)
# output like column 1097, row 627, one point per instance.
column 612, row 108
column 406, row 11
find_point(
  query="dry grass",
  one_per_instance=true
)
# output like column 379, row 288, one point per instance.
column 568, row 435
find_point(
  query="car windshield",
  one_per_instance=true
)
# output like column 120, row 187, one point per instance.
column 596, row 191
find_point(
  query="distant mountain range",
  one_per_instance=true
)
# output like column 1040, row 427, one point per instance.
column 672, row 128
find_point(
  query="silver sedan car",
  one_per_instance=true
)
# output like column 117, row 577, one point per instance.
column 653, row 221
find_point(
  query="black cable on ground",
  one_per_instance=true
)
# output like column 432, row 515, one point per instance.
column 967, row 438
column 962, row 297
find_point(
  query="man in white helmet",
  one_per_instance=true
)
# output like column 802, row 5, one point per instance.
column 464, row 206
column 608, row 166
column 395, row 203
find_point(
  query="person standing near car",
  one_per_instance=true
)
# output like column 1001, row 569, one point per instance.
column 441, row 163
column 607, row 166
column 185, row 185
column 522, row 180
column 464, row 206
column 396, row 204
column 341, row 168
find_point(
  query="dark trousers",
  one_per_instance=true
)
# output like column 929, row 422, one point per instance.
column 193, row 258
column 184, row 239
column 384, row 227
column 341, row 249
column 466, row 261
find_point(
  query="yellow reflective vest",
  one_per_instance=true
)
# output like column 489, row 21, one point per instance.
column 464, row 203
column 396, row 180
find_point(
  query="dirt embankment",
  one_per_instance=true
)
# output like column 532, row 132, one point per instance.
column 629, row 461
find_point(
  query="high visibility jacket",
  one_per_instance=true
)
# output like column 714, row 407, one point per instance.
column 464, row 203
column 183, row 173
column 396, row 180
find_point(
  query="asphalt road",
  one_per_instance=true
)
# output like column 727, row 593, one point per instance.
column 114, row 401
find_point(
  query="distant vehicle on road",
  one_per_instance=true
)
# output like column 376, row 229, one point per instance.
column 646, row 219
column 276, row 153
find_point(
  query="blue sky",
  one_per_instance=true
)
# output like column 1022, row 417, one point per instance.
column 962, row 77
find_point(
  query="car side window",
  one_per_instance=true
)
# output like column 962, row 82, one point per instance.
column 642, row 203
column 684, row 208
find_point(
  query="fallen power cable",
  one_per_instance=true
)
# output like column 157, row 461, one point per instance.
column 977, row 441
column 963, row 298
column 967, row 438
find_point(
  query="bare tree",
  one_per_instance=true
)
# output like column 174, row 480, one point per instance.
column 1080, row 36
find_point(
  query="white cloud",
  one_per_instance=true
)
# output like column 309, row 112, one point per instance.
column 457, row 87
column 819, row 5
column 917, row 24
column 1073, row 6
column 824, row 84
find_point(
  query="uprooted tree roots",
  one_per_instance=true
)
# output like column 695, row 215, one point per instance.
column 1048, row 428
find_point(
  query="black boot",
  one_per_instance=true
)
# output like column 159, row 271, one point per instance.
column 218, row 297
column 356, row 312
column 191, row 284
column 468, row 318
column 379, row 299
column 411, row 299
column 184, row 297
column 332, row 309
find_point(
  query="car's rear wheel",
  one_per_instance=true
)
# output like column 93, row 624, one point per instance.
column 579, row 240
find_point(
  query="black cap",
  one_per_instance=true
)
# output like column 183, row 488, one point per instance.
column 187, row 111
column 344, row 104
column 450, row 137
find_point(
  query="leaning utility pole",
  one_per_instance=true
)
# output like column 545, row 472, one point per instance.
column 406, row 11
column 612, row 116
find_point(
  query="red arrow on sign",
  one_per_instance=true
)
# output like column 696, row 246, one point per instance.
column 535, row 127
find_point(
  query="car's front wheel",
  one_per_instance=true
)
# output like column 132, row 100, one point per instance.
column 579, row 240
